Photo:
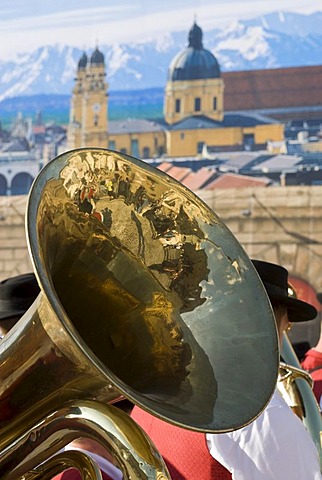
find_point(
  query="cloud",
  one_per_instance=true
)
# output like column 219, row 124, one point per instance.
column 124, row 22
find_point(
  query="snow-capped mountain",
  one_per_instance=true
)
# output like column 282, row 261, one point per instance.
column 289, row 23
column 271, row 41
column 251, row 47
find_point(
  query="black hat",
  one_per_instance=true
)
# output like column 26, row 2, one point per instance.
column 275, row 280
column 17, row 294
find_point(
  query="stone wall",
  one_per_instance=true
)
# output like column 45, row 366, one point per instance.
column 14, row 256
column 278, row 224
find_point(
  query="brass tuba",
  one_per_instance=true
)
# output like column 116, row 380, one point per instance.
column 145, row 294
column 295, row 385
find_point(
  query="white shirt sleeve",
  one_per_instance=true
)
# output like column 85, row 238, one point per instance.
column 275, row 446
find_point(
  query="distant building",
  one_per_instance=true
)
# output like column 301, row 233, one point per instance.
column 195, row 85
column 19, row 165
column 194, row 111
column 88, row 123
column 283, row 93
column 21, row 127
column 24, row 150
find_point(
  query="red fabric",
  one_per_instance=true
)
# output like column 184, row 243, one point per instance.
column 73, row 474
column 185, row 452
column 313, row 359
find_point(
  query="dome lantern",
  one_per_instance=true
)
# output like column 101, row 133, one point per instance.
column 195, row 37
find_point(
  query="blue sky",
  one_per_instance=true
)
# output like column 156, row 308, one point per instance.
column 25, row 25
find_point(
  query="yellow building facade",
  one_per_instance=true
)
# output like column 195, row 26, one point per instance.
column 194, row 113
column 184, row 98
column 183, row 142
column 88, row 119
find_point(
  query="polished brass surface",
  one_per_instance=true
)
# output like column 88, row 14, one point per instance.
column 82, row 462
column 132, row 450
column 290, row 390
column 295, row 385
column 153, row 288
column 145, row 294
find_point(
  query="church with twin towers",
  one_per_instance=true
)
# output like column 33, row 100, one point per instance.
column 193, row 110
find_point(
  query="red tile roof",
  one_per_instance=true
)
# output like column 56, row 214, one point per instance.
column 196, row 180
column 179, row 173
column 165, row 166
column 273, row 88
column 233, row 180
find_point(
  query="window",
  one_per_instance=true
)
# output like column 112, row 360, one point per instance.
column 178, row 105
column 21, row 184
column 249, row 141
column 3, row 185
column 214, row 103
column 134, row 147
column 112, row 145
column 197, row 104
column 146, row 152
column 200, row 146
column 123, row 150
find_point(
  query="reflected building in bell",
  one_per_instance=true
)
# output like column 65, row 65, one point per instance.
column 194, row 111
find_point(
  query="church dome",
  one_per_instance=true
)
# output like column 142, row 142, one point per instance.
column 83, row 61
column 194, row 62
column 97, row 58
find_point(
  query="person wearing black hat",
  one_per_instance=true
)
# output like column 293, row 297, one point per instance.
column 16, row 295
column 280, row 292
column 276, row 445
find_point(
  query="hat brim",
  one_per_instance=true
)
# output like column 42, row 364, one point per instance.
column 298, row 311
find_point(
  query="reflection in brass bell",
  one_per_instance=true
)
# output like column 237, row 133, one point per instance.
column 154, row 290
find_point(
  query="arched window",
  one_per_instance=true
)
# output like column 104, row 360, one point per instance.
column 21, row 184
column 3, row 185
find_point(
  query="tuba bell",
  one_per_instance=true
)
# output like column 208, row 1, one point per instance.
column 145, row 294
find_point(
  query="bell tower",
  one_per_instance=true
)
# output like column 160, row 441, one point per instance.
column 88, row 123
